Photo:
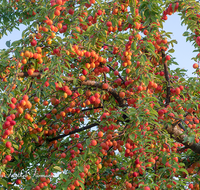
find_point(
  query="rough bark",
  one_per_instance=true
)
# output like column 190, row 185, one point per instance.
column 176, row 133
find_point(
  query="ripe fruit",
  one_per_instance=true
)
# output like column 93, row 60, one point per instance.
column 71, row 11
column 59, row 2
column 92, row 99
column 88, row 93
column 105, row 86
column 109, row 24
column 38, row 49
column 82, row 78
column 30, row 72
column 82, row 174
column 25, row 97
column 93, row 142
column 18, row 181
column 27, row 54
column 63, row 155
column 8, row 144
column 121, row 94
column 36, row 99
column 191, row 186
column 13, row 100
column 116, row 73
column 99, row 166
column 162, row 73
column 100, row 134
column 57, row 12
column 99, row 12
column 195, row 65
column 181, row 87
column 135, row 174
column 167, row 57
column 33, row 42
column 178, row 91
column 84, row 72
column 8, row 158
column 24, row 61
column 87, row 54
column 106, row 69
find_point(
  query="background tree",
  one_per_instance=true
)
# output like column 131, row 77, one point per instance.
column 87, row 96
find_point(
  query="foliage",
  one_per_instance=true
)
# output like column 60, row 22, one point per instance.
column 88, row 100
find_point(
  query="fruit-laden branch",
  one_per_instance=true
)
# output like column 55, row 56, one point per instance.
column 181, row 126
column 176, row 133
column 25, row 74
column 118, row 74
column 91, row 83
column 73, row 132
column 88, row 109
column 178, row 122
column 167, row 79
column 109, row 89
column 173, row 130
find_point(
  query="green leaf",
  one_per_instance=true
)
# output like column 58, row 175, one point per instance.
column 87, row 142
column 173, row 41
column 80, row 91
column 82, row 185
column 130, row 20
column 132, row 137
column 66, row 184
column 3, row 182
column 16, row 188
column 145, row 80
column 98, row 2
column 171, row 51
column 74, row 81
column 57, row 168
column 191, row 139
column 185, row 33
column 8, row 43
column 29, row 149
column 134, row 46
column 16, row 43
column 1, row 147
column 15, row 146
column 4, row 2
column 183, row 170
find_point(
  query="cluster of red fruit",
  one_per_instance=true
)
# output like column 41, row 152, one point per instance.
column 170, row 10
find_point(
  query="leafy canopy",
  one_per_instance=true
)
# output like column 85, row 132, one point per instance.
column 88, row 100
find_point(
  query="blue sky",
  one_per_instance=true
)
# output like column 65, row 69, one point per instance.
column 183, row 50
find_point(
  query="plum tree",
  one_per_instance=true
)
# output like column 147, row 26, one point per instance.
column 88, row 100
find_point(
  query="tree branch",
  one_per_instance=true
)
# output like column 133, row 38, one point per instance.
column 91, row 83
column 72, row 132
column 25, row 74
column 118, row 75
column 99, row 85
column 168, row 81
column 178, row 135
column 88, row 109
